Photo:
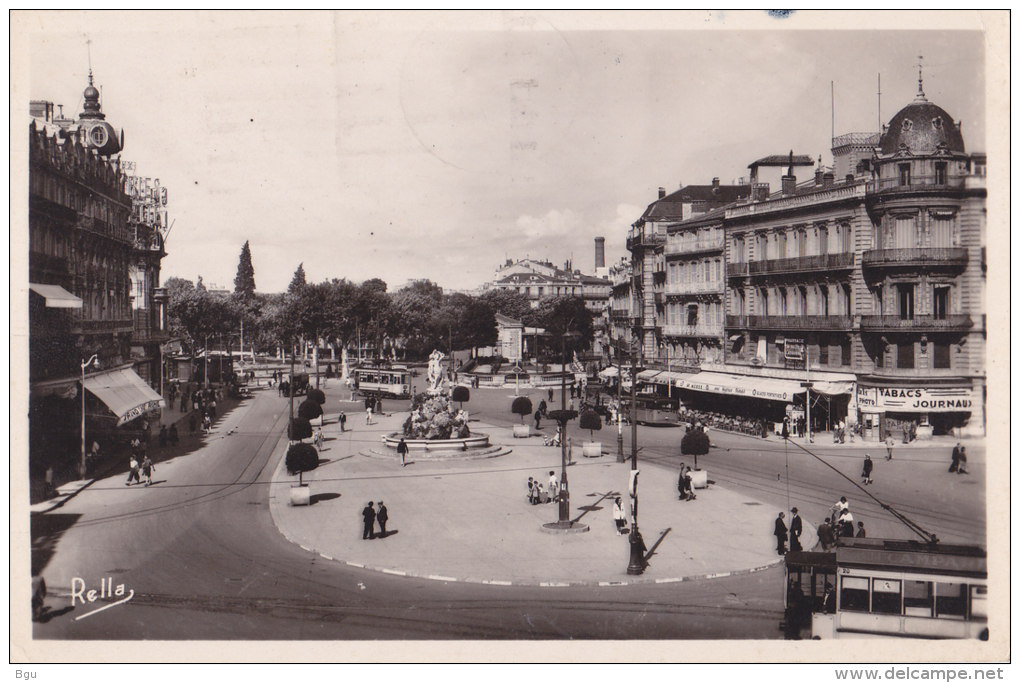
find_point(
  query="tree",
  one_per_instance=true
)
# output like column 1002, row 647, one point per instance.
column 317, row 395
column 299, row 429
column 244, row 281
column 298, row 281
column 561, row 316
column 196, row 315
column 309, row 410
column 695, row 442
column 508, row 302
column 460, row 395
column 301, row 458
column 521, row 406
column 591, row 421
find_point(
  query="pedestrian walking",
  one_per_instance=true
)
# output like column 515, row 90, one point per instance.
column 369, row 406
column 532, row 491
column 542, row 407
column 382, row 516
column 402, row 452
column 619, row 516
column 368, row 516
column 317, row 438
column 955, row 464
column 554, row 486
column 538, row 419
column 689, row 483
column 780, row 534
column 206, row 423
column 342, row 419
column 888, row 446
column 861, row 533
column 846, row 524
column 147, row 469
column 963, row 461
column 796, row 529
column 132, row 471
column 866, row 470
column 162, row 436
column 172, row 435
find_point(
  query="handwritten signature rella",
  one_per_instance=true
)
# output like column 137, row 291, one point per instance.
column 80, row 592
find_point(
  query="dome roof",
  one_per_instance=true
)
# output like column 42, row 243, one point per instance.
column 922, row 127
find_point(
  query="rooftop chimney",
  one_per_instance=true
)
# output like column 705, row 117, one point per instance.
column 828, row 179
column 849, row 178
column 715, row 182
column 789, row 184
column 600, row 252
column 818, row 176
column 662, row 192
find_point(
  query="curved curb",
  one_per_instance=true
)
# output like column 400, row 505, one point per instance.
column 376, row 455
column 504, row 582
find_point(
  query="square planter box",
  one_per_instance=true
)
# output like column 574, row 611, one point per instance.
column 699, row 479
column 592, row 449
column 300, row 495
column 522, row 431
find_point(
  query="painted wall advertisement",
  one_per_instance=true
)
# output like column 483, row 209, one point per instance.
column 915, row 399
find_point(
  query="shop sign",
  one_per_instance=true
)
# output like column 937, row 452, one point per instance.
column 867, row 398
column 917, row 399
column 138, row 411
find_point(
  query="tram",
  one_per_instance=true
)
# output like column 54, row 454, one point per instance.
column 653, row 409
column 394, row 382
column 869, row 587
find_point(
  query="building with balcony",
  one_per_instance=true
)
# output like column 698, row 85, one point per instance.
column 85, row 249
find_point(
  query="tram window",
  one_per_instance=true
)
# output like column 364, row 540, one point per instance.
column 918, row 598
column 979, row 602
column 383, row 379
column 950, row 600
column 885, row 596
column 854, row 594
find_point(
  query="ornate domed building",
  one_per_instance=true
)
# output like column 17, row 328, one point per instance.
column 925, row 336
column 95, row 131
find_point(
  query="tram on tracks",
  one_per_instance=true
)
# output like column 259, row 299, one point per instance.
column 394, row 381
column 869, row 587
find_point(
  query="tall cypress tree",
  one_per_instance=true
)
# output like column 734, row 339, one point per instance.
column 244, row 281
column 298, row 281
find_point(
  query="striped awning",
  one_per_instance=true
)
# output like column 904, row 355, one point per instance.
column 56, row 296
column 124, row 393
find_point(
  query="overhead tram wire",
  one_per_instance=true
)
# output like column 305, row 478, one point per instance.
column 909, row 523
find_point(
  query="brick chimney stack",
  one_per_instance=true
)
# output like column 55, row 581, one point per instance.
column 600, row 252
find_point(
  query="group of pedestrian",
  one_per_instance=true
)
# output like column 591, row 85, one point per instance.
column 370, row 516
column 685, row 483
column 959, row 463
column 791, row 533
column 168, row 437
column 145, row 469
column 538, row 494
column 373, row 406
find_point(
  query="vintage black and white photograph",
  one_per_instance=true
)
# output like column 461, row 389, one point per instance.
column 625, row 336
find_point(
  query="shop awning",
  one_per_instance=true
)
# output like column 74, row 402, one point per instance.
column 832, row 388
column 124, row 393
column 56, row 296
column 647, row 375
column 743, row 385
column 611, row 371
column 670, row 377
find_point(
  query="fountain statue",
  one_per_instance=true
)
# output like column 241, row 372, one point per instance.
column 436, row 374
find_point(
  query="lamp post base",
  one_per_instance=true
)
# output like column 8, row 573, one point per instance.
column 637, row 555
column 565, row 528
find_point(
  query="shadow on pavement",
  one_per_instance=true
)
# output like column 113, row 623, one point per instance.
column 46, row 530
column 651, row 551
column 47, row 614
column 315, row 498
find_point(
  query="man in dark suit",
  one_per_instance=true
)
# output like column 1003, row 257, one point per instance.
column 368, row 515
column 780, row 534
column 796, row 528
column 382, row 516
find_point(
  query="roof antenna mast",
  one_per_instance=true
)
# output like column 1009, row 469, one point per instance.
column 880, row 103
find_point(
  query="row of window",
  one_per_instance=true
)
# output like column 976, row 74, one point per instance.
column 709, row 314
column 945, row 600
column 792, row 243
column 910, row 231
column 821, row 299
column 56, row 190
column 702, row 270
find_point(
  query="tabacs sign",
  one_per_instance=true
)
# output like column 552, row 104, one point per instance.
column 915, row 399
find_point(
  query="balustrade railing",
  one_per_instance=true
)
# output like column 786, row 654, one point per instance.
column 790, row 322
column 915, row 255
column 955, row 321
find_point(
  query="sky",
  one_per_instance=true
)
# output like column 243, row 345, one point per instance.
column 423, row 145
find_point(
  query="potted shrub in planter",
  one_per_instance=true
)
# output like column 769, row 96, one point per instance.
column 461, row 395
column 591, row 421
column 521, row 406
column 695, row 442
column 301, row 458
column 311, row 410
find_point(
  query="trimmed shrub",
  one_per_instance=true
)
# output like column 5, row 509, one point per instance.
column 317, row 395
column 309, row 409
column 695, row 443
column 521, row 406
column 301, row 458
column 299, row 429
column 591, row 421
column 460, row 395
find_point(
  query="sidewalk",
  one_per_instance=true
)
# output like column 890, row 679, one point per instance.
column 469, row 520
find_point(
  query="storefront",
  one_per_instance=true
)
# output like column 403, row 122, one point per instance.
column 920, row 409
column 125, row 394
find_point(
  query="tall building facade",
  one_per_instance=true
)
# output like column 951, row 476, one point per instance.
column 93, row 266
column 862, row 286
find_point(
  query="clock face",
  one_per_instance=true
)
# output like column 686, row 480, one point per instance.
column 98, row 136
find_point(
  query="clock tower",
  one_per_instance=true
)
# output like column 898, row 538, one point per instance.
column 95, row 132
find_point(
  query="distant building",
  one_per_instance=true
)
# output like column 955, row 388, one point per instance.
column 541, row 279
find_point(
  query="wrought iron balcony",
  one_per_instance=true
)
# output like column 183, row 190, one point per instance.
column 681, row 288
column 692, row 330
column 674, row 247
column 915, row 257
column 918, row 323
column 917, row 182
column 790, row 322
column 80, row 326
column 797, row 264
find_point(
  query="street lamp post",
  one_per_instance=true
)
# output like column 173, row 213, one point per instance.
column 564, row 491
column 93, row 360
column 637, row 549
column 619, row 406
